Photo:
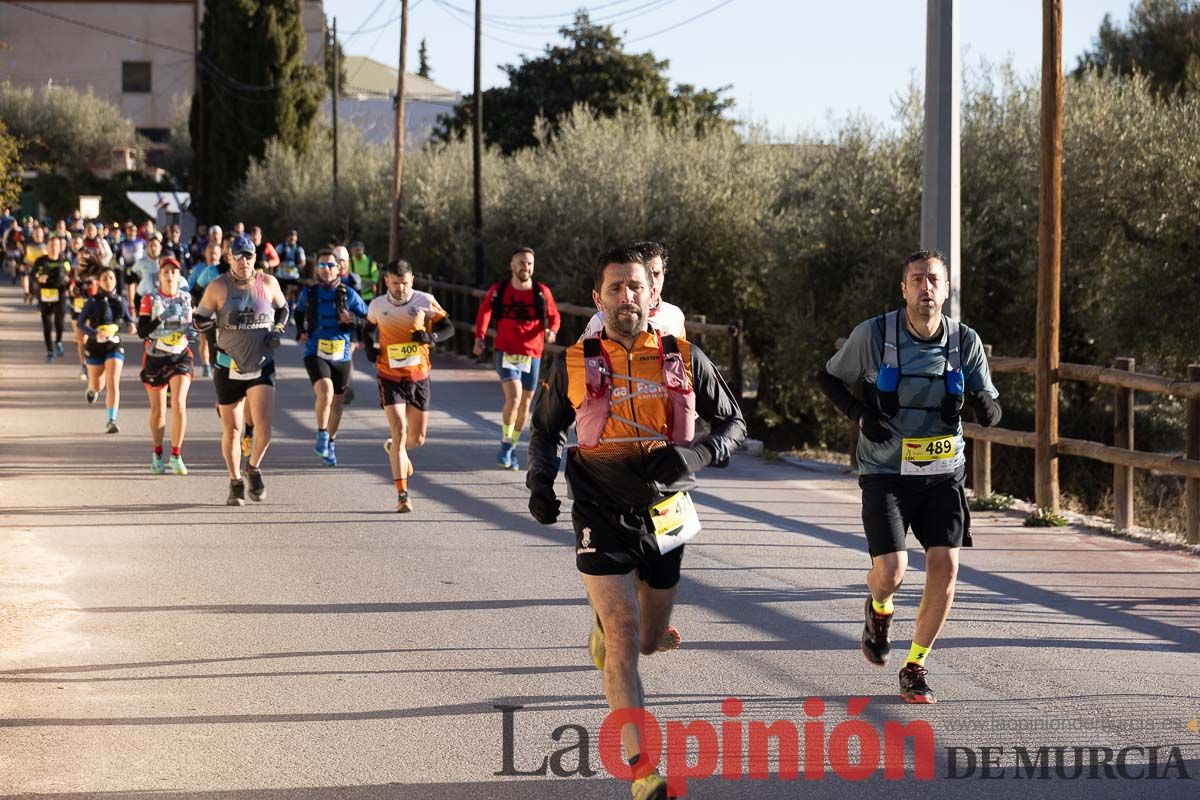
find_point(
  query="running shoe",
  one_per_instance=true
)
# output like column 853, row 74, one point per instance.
column 331, row 454
column 58, row 348
column 83, row 373
column 505, row 457
column 513, row 463
column 387, row 446
column 403, row 503
column 913, row 688
column 49, row 358
column 237, row 494
column 596, row 642
column 112, row 427
column 321, row 448
column 651, row 787
column 177, row 465
column 247, row 443
column 156, row 464
column 90, row 396
column 875, row 645
column 670, row 640
column 258, row 489
column 205, row 372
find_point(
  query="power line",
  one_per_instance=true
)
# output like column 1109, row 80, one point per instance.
column 679, row 24
column 369, row 17
column 614, row 18
column 447, row 9
column 88, row 26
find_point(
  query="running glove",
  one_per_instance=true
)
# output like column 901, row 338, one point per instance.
column 274, row 339
column 872, row 427
column 671, row 464
column 421, row 337
column 952, row 406
column 543, row 505
column 987, row 410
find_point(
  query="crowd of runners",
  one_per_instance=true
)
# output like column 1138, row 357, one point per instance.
column 632, row 387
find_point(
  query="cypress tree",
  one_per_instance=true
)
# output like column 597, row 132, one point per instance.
column 256, row 87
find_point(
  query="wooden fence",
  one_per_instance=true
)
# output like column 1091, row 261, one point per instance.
column 462, row 304
column 1121, row 453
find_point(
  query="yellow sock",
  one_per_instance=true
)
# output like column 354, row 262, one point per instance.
column 505, row 432
column 916, row 654
column 514, row 435
column 886, row 607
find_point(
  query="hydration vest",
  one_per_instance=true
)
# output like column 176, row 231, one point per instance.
column 539, row 302
column 887, row 382
column 339, row 305
column 596, row 409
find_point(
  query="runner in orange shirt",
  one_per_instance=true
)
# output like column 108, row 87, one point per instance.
column 407, row 322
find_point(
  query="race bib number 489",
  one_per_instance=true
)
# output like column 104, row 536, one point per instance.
column 935, row 455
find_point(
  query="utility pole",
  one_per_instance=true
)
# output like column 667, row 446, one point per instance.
column 198, row 145
column 336, row 89
column 398, row 168
column 940, row 187
column 1049, row 258
column 477, row 144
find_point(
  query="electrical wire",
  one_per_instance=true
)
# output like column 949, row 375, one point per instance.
column 679, row 24
column 96, row 28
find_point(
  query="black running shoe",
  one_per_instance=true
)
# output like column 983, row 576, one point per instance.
column 258, row 489
column 237, row 494
column 913, row 688
column 875, row 645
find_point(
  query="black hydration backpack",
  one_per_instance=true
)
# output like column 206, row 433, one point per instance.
column 539, row 302
column 339, row 305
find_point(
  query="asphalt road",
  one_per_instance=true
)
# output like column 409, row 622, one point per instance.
column 156, row 643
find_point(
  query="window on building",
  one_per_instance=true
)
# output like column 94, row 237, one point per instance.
column 135, row 77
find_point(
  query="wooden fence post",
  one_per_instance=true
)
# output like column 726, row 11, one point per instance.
column 981, row 456
column 1123, row 437
column 1192, row 500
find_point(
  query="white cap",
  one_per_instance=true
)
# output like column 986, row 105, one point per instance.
column 341, row 254
column 216, row 228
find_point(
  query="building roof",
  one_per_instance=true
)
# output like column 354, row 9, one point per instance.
column 366, row 77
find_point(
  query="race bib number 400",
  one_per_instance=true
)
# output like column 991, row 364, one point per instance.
column 935, row 455
column 332, row 349
column 519, row 363
column 406, row 354
column 675, row 521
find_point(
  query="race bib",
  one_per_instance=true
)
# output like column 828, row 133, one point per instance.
column 49, row 295
column 407, row 354
column 332, row 349
column 110, row 331
column 78, row 303
column 173, row 343
column 675, row 521
column 224, row 360
column 287, row 272
column 935, row 455
column 519, row 363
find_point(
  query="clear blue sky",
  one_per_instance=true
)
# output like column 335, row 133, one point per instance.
column 793, row 64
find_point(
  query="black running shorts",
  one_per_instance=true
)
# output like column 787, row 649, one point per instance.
column 230, row 391
column 157, row 371
column 934, row 508
column 337, row 371
column 413, row 393
column 611, row 541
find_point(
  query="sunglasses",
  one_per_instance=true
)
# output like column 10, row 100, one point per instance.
column 244, row 256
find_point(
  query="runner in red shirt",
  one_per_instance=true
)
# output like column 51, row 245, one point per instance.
column 526, row 319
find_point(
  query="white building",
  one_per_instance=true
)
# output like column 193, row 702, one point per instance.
column 367, row 102
column 140, row 54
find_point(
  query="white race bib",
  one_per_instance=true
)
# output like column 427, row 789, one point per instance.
column 332, row 349
column 49, row 295
column 519, row 363
column 675, row 521
column 407, row 354
column 936, row 455
column 173, row 343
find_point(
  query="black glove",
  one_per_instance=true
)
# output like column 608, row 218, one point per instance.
column 371, row 350
column 952, row 406
column 543, row 505
column 987, row 410
column 421, row 337
column 274, row 339
column 872, row 428
column 669, row 465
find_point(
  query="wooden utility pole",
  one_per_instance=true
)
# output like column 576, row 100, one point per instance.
column 940, row 195
column 477, row 144
column 398, row 167
column 1049, row 258
column 336, row 89
column 198, row 145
